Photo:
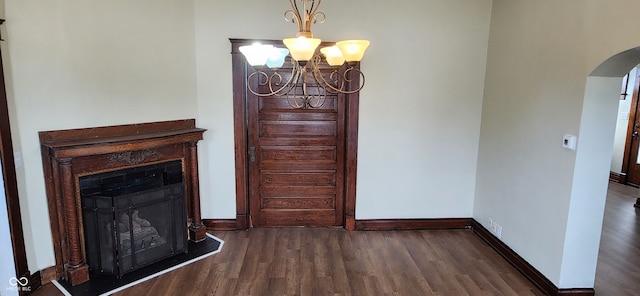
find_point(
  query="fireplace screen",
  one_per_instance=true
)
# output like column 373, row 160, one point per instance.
column 133, row 217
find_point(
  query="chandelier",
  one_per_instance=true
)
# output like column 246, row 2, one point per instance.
column 305, row 85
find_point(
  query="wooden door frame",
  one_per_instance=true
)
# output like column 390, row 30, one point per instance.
column 240, row 128
column 626, row 159
column 11, row 187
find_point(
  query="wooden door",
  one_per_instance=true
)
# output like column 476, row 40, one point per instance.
column 631, row 164
column 303, row 138
column 296, row 162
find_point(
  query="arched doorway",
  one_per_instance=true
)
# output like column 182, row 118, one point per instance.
column 593, row 160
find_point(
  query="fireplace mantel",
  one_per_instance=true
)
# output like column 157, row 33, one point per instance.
column 70, row 154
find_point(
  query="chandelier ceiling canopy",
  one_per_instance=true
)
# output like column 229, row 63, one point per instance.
column 301, row 53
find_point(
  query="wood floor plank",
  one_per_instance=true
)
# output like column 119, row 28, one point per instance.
column 618, row 270
column 327, row 261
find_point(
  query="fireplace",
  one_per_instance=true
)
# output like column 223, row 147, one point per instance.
column 73, row 159
column 133, row 217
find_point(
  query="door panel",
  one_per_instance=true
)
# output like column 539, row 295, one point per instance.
column 297, row 176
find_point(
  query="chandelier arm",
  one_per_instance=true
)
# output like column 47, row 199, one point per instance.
column 291, row 84
column 317, row 101
column 253, row 75
column 288, row 85
column 314, row 100
column 295, row 101
column 293, row 15
column 255, row 92
column 295, row 73
column 318, row 77
column 311, row 100
column 326, row 85
column 305, row 17
column 342, row 79
column 272, row 79
column 347, row 75
column 285, row 91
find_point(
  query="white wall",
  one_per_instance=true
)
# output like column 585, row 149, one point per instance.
column 540, row 54
column 103, row 62
column 78, row 64
column 215, row 23
column 419, row 111
column 419, row 116
column 75, row 64
column 622, row 122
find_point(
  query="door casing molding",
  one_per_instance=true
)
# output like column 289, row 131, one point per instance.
column 239, row 70
column 11, row 187
column 627, row 160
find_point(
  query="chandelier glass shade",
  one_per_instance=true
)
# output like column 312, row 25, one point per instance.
column 311, row 74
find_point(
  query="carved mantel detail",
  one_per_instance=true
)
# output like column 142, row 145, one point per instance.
column 134, row 157
column 68, row 154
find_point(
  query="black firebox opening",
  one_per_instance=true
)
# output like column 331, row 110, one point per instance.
column 133, row 217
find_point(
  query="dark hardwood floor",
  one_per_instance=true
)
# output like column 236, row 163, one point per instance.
column 328, row 261
column 325, row 261
column 618, row 271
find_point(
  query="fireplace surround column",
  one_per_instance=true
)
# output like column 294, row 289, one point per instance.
column 76, row 269
column 197, row 231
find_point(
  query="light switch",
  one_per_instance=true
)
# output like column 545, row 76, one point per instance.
column 569, row 142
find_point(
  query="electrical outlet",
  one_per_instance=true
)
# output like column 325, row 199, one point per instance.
column 495, row 228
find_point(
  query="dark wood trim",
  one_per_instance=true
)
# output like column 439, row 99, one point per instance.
column 351, row 153
column 626, row 159
column 47, row 275
column 625, row 85
column 221, row 224
column 518, row 262
column 240, row 135
column 239, row 72
column 618, row 177
column 10, row 182
column 35, row 281
column 530, row 272
column 411, row 224
column 577, row 292
column 197, row 231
